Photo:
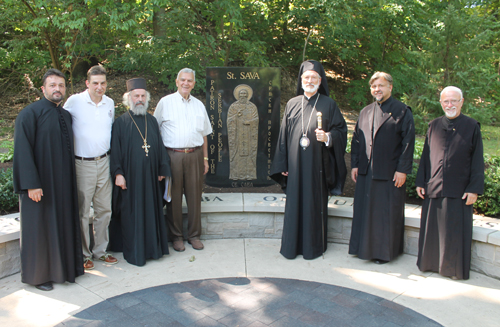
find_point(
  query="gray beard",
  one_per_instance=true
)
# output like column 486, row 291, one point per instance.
column 139, row 110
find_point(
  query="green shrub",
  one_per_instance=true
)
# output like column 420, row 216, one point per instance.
column 489, row 202
column 348, row 145
column 411, row 190
column 9, row 155
column 419, row 147
column 8, row 199
column 420, row 124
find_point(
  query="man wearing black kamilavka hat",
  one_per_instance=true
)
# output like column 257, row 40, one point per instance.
column 309, row 163
column 138, row 163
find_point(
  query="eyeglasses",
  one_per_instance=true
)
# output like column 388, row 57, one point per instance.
column 453, row 102
column 310, row 77
column 373, row 86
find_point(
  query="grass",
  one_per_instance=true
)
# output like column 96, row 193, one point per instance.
column 491, row 139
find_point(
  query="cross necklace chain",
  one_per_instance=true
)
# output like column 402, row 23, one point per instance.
column 145, row 146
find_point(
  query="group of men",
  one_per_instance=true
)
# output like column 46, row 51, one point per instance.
column 309, row 161
column 67, row 161
column 75, row 166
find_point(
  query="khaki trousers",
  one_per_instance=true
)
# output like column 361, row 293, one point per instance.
column 187, row 179
column 94, row 186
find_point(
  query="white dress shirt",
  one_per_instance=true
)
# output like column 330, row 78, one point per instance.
column 183, row 123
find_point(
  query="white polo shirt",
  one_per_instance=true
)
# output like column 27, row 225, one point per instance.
column 183, row 123
column 91, row 124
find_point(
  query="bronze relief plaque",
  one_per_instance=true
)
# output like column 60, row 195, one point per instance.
column 243, row 105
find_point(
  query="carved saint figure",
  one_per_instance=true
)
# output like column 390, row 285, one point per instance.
column 242, row 129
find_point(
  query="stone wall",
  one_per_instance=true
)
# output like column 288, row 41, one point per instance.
column 10, row 259
column 237, row 215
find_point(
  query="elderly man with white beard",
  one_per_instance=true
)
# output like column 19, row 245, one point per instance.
column 138, row 163
column 449, row 178
column 309, row 163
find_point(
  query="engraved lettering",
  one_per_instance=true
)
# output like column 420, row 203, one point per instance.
column 249, row 75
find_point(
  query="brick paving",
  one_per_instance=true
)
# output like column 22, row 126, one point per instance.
column 248, row 302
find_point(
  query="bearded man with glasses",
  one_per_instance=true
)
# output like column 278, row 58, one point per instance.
column 309, row 162
column 381, row 157
column 450, row 176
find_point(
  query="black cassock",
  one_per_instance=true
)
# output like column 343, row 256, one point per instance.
column 137, row 226
column 452, row 164
column 309, row 170
column 51, row 248
column 382, row 143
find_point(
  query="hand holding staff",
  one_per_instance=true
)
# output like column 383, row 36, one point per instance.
column 320, row 134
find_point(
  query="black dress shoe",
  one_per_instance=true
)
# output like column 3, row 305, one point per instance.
column 380, row 262
column 45, row 286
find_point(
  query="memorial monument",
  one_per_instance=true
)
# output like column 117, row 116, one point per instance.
column 242, row 130
column 243, row 105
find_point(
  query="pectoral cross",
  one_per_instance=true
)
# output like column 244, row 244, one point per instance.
column 146, row 147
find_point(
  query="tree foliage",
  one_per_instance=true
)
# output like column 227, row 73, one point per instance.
column 425, row 45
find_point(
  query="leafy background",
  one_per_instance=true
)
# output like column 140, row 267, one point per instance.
column 424, row 44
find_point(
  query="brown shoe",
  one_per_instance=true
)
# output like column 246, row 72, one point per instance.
column 179, row 246
column 109, row 259
column 197, row 245
column 88, row 264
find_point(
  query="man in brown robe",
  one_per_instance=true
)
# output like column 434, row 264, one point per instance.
column 450, row 176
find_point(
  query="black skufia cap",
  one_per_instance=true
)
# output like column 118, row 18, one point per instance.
column 136, row 83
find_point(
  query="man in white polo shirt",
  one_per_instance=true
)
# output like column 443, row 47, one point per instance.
column 184, row 126
column 93, row 114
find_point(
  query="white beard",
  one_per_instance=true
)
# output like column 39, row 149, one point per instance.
column 140, row 109
column 309, row 88
column 452, row 113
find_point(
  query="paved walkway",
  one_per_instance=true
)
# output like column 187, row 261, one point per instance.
column 248, row 302
column 246, row 282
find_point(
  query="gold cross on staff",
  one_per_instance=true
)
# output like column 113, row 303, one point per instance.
column 146, row 147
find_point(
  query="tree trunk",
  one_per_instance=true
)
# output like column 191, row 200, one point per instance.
column 159, row 22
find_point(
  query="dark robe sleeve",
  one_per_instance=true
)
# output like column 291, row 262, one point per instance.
column 423, row 173
column 25, row 169
column 333, row 155
column 476, row 184
column 355, row 147
column 116, row 151
column 405, row 162
column 280, row 160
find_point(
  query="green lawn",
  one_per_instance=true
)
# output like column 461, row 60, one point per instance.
column 491, row 139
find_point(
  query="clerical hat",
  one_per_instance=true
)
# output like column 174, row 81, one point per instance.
column 318, row 68
column 136, row 83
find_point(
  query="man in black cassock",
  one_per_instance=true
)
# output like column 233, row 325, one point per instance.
column 450, row 176
column 381, row 157
column 44, row 177
column 138, row 163
column 309, row 163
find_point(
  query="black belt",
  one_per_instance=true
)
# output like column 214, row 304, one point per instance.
column 94, row 158
column 186, row 150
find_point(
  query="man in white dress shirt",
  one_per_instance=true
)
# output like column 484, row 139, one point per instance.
column 184, row 126
column 93, row 114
